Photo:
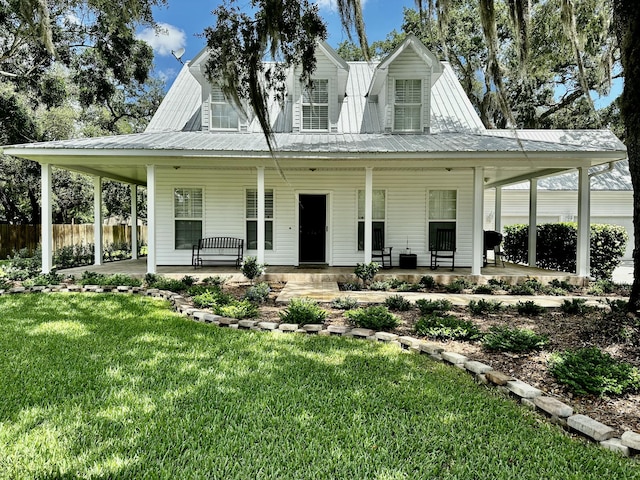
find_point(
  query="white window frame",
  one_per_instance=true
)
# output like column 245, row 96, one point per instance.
column 218, row 99
column 267, row 218
column 310, row 100
column 453, row 220
column 374, row 219
column 396, row 105
column 188, row 218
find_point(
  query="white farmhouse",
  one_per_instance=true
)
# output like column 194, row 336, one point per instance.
column 377, row 152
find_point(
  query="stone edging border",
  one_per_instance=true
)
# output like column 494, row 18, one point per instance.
column 628, row 444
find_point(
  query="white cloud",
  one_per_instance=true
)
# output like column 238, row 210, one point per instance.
column 164, row 38
column 331, row 4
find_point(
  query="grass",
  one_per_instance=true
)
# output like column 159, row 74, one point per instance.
column 117, row 386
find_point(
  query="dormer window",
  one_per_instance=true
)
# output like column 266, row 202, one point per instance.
column 223, row 115
column 315, row 106
column 407, row 113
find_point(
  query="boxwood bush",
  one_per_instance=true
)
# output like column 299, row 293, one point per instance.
column 375, row 317
column 557, row 246
column 507, row 339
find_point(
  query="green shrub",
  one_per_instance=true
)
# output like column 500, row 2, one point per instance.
column 91, row 278
column 427, row 307
column 303, row 311
column 375, row 317
column 258, row 293
column 350, row 287
column 409, row 287
column 188, row 280
column 121, row 279
column 601, row 287
column 428, row 282
column 74, row 256
column 366, row 271
column 397, row 303
column 498, row 284
column 575, row 306
column 617, row 305
column 521, row 289
column 562, row 284
column 162, row 283
column 200, row 289
column 5, row 283
column 591, row 371
column 395, row 283
column 484, row 289
column 530, row 308
column 24, row 265
column 237, row 309
column 379, row 286
column 457, row 286
column 483, row 306
column 212, row 298
column 506, row 339
column 344, row 303
column 556, row 246
column 44, row 279
column 448, row 327
column 251, row 269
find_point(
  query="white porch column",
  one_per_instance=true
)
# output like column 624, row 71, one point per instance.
column 498, row 210
column 583, row 266
column 533, row 220
column 368, row 214
column 134, row 222
column 97, row 220
column 477, row 221
column 46, row 221
column 151, row 219
column 261, row 203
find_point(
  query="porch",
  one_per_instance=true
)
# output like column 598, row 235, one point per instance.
column 510, row 273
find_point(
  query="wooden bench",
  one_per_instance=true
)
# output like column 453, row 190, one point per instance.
column 217, row 249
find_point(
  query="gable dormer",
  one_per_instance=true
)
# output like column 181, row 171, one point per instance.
column 318, row 109
column 216, row 112
column 401, row 87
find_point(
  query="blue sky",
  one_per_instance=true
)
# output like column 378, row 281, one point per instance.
column 182, row 20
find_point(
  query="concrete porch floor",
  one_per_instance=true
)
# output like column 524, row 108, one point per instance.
column 510, row 273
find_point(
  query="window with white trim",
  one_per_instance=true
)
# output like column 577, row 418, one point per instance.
column 223, row 114
column 378, row 215
column 187, row 213
column 315, row 106
column 443, row 205
column 252, row 219
column 407, row 112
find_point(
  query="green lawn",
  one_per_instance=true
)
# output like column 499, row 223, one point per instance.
column 118, row 386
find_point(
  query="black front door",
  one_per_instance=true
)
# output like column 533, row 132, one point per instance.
column 313, row 226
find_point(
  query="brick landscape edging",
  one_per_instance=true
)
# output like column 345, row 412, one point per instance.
column 557, row 412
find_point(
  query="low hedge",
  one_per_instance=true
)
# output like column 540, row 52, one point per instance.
column 557, row 246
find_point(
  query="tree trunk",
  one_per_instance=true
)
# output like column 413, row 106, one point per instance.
column 627, row 27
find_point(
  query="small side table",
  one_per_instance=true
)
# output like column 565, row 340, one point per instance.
column 409, row 260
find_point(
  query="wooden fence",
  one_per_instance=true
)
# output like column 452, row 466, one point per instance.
column 17, row 237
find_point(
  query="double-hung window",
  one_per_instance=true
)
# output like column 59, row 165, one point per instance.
column 315, row 106
column 442, row 212
column 252, row 219
column 378, row 216
column 187, row 212
column 223, row 115
column 407, row 113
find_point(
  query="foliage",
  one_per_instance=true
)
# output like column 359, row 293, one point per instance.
column 51, row 278
column 163, row 283
column 238, row 309
column 303, row 311
column 5, row 284
column 601, row 287
column 428, row 282
column 375, row 317
column 350, row 286
column 591, row 371
column 447, row 327
column 379, row 286
column 212, row 298
column 24, row 265
column 557, row 244
column 498, row 284
column 214, row 281
column 529, row 307
column 486, row 289
column 457, row 286
column 344, row 303
column 575, row 306
column 397, row 303
column 482, row 307
column 118, row 279
column 251, row 269
column 506, row 339
column 366, row 271
column 427, row 307
column 74, row 256
column 258, row 293
column 395, row 283
column 409, row 287
column 188, row 280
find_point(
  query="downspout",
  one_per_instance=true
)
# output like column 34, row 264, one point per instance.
column 608, row 168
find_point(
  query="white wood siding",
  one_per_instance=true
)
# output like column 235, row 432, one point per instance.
column 406, row 203
column 613, row 207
